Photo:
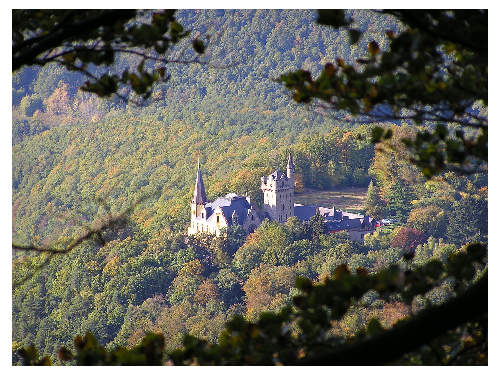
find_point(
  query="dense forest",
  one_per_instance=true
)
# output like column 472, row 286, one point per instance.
column 77, row 157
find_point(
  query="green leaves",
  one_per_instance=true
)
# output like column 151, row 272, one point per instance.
column 89, row 352
column 434, row 151
column 29, row 357
column 303, row 284
column 269, row 340
column 374, row 327
column 354, row 36
column 96, row 36
column 430, row 74
column 198, row 46
column 332, row 17
column 379, row 134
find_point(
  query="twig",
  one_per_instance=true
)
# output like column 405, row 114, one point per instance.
column 96, row 234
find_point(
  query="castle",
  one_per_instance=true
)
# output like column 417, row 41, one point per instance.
column 278, row 193
column 212, row 217
column 279, row 205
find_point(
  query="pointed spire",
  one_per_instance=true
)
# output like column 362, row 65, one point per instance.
column 199, row 189
column 290, row 162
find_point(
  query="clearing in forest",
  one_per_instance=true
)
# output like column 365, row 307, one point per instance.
column 350, row 199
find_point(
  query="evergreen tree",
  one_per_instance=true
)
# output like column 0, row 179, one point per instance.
column 399, row 200
column 318, row 227
column 374, row 204
column 468, row 221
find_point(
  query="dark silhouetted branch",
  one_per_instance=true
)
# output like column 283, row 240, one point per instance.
column 411, row 334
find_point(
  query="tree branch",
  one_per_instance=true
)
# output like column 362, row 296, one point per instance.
column 27, row 51
column 408, row 335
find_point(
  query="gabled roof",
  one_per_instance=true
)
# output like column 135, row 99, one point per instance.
column 334, row 219
column 199, row 196
column 229, row 204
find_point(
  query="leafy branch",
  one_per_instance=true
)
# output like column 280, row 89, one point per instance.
column 433, row 73
column 83, row 40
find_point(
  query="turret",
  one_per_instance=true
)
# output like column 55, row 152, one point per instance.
column 290, row 170
column 199, row 196
column 278, row 193
column 199, row 189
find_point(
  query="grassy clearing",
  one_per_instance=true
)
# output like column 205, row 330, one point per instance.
column 348, row 199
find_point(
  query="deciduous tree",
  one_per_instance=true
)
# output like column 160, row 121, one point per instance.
column 434, row 71
column 81, row 40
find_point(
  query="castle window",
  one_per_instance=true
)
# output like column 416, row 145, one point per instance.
column 218, row 217
column 252, row 217
column 202, row 215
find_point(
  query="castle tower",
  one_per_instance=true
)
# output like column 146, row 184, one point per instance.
column 290, row 173
column 199, row 197
column 278, row 193
column 290, row 170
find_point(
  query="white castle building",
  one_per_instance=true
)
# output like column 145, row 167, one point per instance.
column 278, row 193
column 279, row 205
column 211, row 217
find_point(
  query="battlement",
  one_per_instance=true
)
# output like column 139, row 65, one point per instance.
column 278, row 191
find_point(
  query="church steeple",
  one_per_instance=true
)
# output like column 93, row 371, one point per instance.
column 290, row 168
column 199, row 189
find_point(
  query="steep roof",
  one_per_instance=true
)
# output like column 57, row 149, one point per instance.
column 290, row 163
column 229, row 204
column 304, row 213
column 199, row 196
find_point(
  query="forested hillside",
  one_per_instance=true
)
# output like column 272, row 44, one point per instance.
column 76, row 156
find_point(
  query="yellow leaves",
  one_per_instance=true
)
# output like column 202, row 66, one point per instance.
column 484, row 191
column 93, row 266
column 113, row 171
column 86, row 292
column 191, row 269
column 263, row 141
column 111, row 268
column 146, row 223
